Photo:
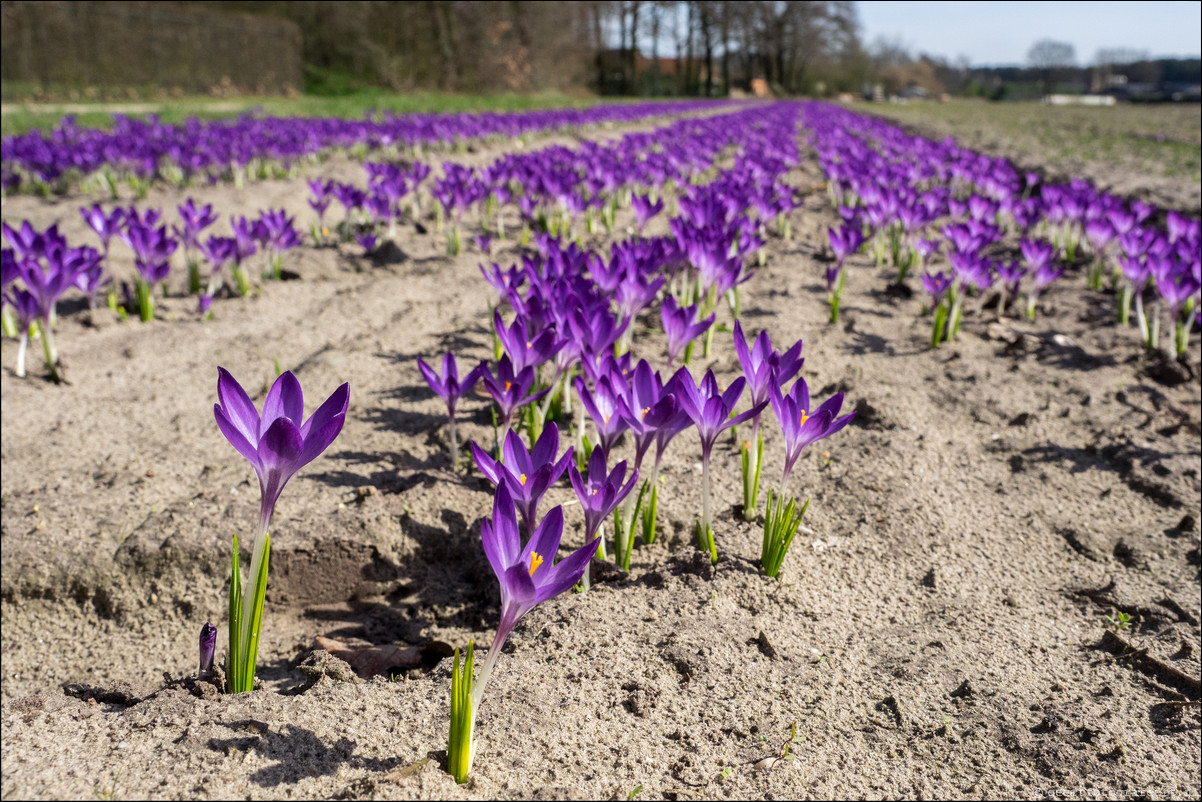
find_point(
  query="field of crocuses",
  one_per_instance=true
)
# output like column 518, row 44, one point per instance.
column 660, row 451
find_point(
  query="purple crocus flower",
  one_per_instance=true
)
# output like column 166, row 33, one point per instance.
column 279, row 231
column 195, row 220
column 49, row 270
column 1136, row 270
column 1040, row 277
column 526, row 474
column 523, row 350
column 925, row 248
column 936, row 286
column 367, row 241
column 149, row 217
column 644, row 209
column 91, row 281
column 679, row 327
column 321, row 197
column 831, row 275
column 1037, row 254
column 762, row 364
column 509, row 389
column 450, row 389
column 208, row 647
column 709, row 407
column 26, row 307
column 1045, row 275
column 244, row 239
column 802, row 428
column 1176, row 288
column 594, row 332
column 600, row 494
column 635, row 293
column 219, row 251
column 281, row 441
column 648, row 407
column 710, row 410
column 606, row 407
column 528, row 575
column 503, row 281
column 105, row 225
column 845, row 241
column 25, row 241
column 152, row 249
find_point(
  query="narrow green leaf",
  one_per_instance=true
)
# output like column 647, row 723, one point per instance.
column 256, row 617
column 233, row 663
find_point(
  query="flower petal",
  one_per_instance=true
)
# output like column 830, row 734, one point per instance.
column 545, row 540
column 504, row 531
column 235, row 436
column 566, row 573
column 280, row 446
column 432, row 379
column 331, row 408
column 319, row 439
column 284, row 400
column 517, row 458
column 239, row 409
column 547, row 447
column 741, row 349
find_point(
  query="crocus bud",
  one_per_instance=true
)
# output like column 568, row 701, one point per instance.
column 208, row 645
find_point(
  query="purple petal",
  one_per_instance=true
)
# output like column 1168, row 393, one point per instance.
column 517, row 458
column 284, row 400
column 547, row 446
column 280, row 445
column 436, row 384
column 487, row 465
column 741, row 348
column 237, row 406
column 567, row 572
column 333, row 407
column 505, row 539
column 236, row 438
column 545, row 540
column 320, row 437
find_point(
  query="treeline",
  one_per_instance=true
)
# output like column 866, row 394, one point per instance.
column 632, row 47
column 454, row 46
column 706, row 48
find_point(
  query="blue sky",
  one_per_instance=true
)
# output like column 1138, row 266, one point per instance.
column 990, row 33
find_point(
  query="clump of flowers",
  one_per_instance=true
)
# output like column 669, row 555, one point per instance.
column 802, row 426
column 528, row 575
column 711, row 411
column 277, row 444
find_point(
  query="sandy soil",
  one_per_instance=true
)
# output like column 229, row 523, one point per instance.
column 939, row 628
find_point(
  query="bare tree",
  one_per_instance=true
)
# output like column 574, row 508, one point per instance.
column 705, row 19
column 1050, row 58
